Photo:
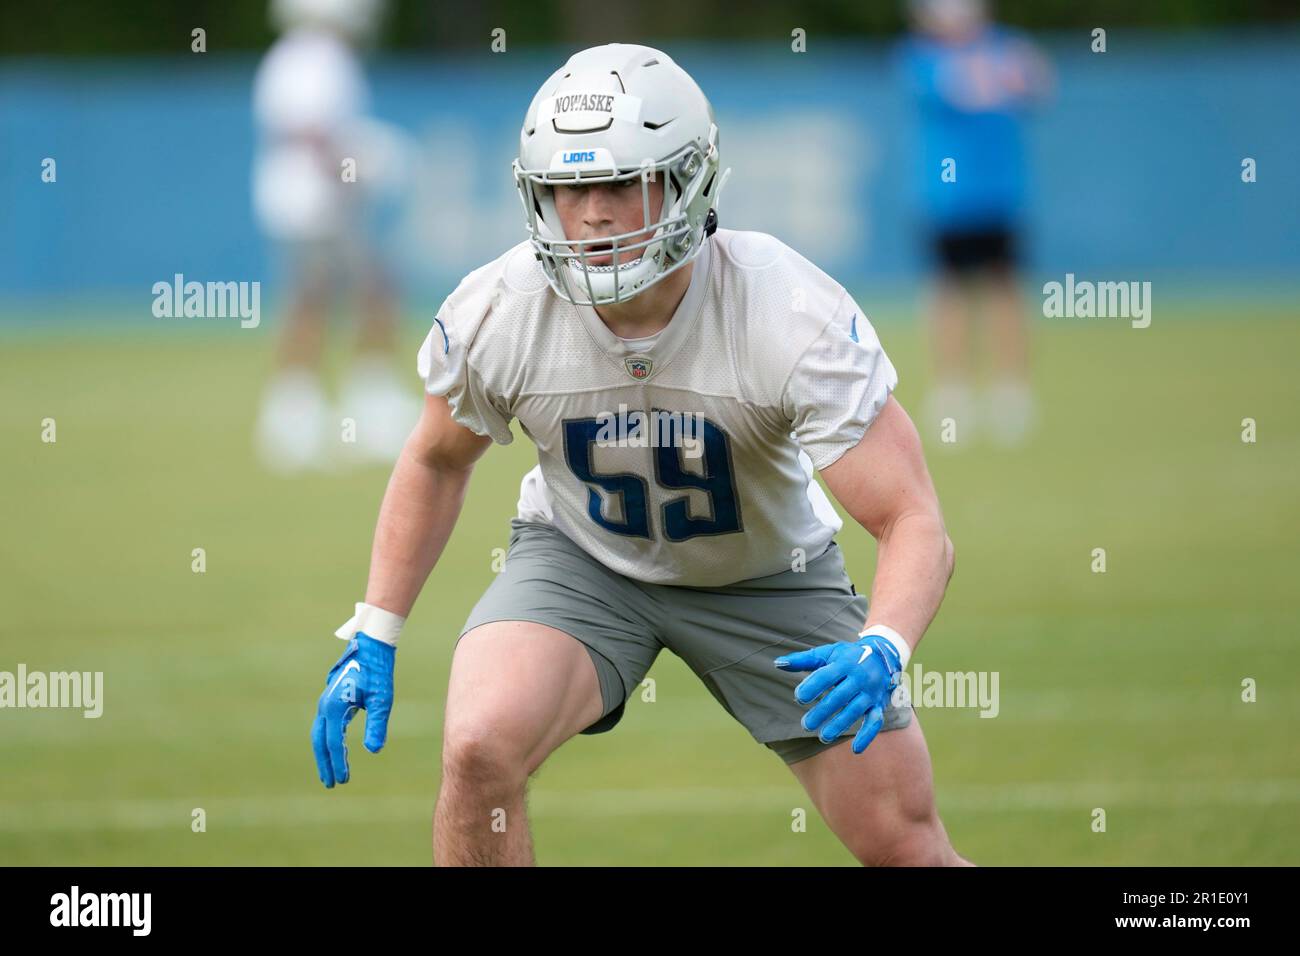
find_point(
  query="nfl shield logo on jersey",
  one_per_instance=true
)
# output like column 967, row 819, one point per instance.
column 638, row 367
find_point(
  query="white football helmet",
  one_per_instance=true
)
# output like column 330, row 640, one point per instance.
column 617, row 113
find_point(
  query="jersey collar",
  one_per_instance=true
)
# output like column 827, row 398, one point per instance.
column 673, row 334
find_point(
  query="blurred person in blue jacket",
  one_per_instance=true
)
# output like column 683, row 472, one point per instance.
column 322, row 169
column 973, row 83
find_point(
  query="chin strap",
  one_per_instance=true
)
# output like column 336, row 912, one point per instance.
column 711, row 220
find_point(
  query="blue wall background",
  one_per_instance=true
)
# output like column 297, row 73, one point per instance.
column 1136, row 169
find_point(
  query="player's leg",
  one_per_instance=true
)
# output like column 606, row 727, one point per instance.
column 1008, row 324
column 293, row 419
column 880, row 803
column 950, row 317
column 377, row 298
column 950, row 321
column 303, row 337
column 730, row 637
column 374, row 393
column 1010, row 410
column 552, row 649
column 517, row 691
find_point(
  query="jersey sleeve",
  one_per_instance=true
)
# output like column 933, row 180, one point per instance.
column 444, row 366
column 838, row 386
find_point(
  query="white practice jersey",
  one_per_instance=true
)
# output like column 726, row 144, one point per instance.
column 308, row 91
column 677, row 463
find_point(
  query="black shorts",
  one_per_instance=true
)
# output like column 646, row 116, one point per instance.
column 976, row 250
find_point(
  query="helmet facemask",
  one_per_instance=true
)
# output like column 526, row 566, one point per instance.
column 685, row 218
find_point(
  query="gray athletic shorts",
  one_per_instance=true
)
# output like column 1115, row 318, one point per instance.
column 728, row 635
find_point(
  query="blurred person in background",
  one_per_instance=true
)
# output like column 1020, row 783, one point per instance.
column 322, row 169
column 973, row 82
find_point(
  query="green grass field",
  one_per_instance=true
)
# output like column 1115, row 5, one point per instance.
column 1119, row 690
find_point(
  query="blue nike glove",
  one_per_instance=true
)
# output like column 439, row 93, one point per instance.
column 857, row 679
column 362, row 678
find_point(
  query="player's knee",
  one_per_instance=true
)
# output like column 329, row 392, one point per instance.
column 904, row 840
column 483, row 761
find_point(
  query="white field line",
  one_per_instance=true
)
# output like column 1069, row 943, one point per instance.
column 339, row 807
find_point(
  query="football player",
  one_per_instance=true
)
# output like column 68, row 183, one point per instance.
column 974, row 83
column 681, row 383
column 321, row 170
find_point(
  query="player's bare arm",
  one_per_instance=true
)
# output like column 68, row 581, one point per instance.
column 883, row 483
column 420, row 507
column 419, row 510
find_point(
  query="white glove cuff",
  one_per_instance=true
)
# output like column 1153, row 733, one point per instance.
column 375, row 621
column 889, row 634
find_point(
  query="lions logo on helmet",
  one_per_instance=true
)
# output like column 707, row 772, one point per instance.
column 612, row 114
